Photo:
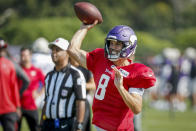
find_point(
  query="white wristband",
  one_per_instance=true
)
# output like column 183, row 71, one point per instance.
column 139, row 91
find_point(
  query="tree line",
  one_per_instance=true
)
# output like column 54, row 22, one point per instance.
column 158, row 23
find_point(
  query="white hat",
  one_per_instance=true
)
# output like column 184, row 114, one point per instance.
column 61, row 43
column 41, row 45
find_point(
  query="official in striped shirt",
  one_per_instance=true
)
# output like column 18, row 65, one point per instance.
column 65, row 92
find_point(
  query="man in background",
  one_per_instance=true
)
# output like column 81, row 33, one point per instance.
column 9, row 93
column 29, row 108
column 21, row 75
column 41, row 58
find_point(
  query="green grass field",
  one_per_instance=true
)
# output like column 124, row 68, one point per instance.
column 156, row 120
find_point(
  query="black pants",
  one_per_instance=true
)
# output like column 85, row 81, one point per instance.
column 32, row 119
column 87, row 117
column 64, row 125
column 8, row 121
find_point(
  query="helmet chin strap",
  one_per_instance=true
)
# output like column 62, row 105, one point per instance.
column 117, row 57
column 113, row 57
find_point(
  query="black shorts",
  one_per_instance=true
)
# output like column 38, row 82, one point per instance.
column 8, row 121
column 32, row 118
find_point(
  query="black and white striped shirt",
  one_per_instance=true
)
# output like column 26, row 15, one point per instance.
column 63, row 88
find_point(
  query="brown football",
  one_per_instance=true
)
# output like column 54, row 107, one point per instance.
column 87, row 12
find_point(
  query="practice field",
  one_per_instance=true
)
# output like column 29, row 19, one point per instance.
column 156, row 120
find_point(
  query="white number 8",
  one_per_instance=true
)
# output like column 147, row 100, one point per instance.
column 102, row 87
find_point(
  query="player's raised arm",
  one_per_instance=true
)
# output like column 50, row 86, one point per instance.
column 74, row 50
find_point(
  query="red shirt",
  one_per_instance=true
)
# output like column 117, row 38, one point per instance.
column 36, row 76
column 9, row 94
column 109, row 110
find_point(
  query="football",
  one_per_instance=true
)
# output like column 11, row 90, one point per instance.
column 87, row 12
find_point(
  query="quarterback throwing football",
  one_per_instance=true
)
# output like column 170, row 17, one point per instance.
column 120, row 83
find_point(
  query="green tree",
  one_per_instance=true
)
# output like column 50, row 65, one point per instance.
column 185, row 38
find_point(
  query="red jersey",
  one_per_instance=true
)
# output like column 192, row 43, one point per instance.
column 109, row 110
column 9, row 93
column 36, row 76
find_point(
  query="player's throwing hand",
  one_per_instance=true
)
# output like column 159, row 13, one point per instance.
column 88, row 27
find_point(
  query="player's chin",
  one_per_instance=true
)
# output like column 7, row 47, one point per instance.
column 121, row 59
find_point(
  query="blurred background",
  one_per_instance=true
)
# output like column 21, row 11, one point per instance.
column 166, row 31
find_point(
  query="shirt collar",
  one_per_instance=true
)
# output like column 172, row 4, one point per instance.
column 63, row 69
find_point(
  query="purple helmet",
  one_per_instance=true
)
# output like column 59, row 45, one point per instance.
column 122, row 34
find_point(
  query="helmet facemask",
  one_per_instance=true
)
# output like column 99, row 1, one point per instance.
column 112, row 54
column 124, row 34
column 127, row 50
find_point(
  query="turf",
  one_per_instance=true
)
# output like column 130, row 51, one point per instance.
column 156, row 120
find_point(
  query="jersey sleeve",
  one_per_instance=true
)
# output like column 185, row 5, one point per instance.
column 14, row 85
column 22, row 78
column 139, row 76
column 145, row 78
column 46, row 83
column 92, row 57
column 79, row 85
